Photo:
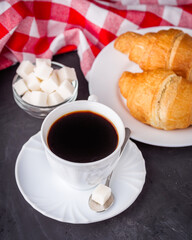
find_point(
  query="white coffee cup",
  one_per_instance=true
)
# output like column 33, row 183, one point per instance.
column 83, row 176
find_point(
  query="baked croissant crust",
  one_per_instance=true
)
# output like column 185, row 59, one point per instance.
column 166, row 49
column 158, row 98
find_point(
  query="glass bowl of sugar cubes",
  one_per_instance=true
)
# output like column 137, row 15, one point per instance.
column 40, row 87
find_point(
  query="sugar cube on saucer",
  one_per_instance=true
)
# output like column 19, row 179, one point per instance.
column 20, row 87
column 65, row 89
column 66, row 73
column 54, row 98
column 101, row 194
column 25, row 68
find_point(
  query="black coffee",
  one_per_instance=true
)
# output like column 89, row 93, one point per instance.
column 82, row 136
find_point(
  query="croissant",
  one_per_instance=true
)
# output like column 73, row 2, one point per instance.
column 167, row 49
column 158, row 98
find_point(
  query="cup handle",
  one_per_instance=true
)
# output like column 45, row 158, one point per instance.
column 93, row 98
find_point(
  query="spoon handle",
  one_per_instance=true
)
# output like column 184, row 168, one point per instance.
column 127, row 134
column 108, row 179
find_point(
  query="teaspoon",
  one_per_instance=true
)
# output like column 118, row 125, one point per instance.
column 96, row 206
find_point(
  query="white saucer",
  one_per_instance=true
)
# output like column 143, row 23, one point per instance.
column 49, row 195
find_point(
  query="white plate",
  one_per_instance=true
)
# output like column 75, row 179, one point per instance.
column 103, row 82
column 49, row 195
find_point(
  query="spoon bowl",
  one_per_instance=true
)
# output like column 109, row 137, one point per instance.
column 98, row 207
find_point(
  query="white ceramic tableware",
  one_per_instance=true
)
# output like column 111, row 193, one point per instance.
column 48, row 194
column 83, row 175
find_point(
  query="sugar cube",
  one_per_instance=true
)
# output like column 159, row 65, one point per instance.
column 38, row 98
column 42, row 85
column 66, row 73
column 20, row 87
column 101, row 194
column 51, row 84
column 54, row 98
column 43, row 71
column 39, row 61
column 65, row 89
column 27, row 97
column 25, row 68
column 33, row 82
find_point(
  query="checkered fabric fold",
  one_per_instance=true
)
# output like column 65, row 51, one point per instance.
column 43, row 28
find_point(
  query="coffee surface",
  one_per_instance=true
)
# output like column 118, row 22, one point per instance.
column 82, row 136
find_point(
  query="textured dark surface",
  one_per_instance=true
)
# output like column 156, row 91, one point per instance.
column 163, row 210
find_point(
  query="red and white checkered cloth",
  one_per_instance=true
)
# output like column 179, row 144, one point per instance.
column 43, row 28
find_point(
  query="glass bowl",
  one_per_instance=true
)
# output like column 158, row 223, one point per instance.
column 41, row 111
